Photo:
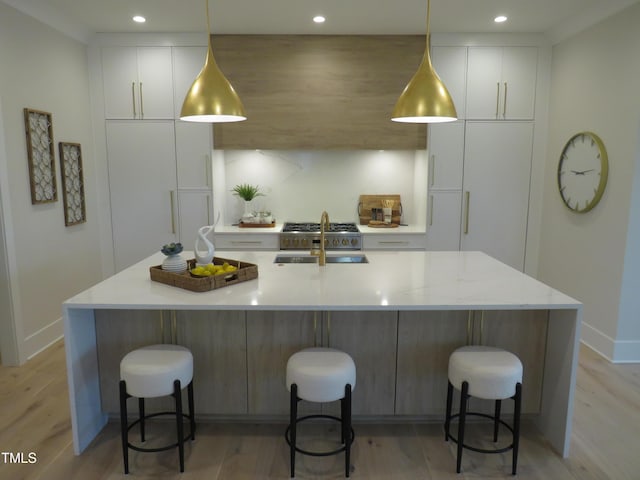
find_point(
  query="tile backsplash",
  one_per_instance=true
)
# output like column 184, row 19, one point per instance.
column 299, row 185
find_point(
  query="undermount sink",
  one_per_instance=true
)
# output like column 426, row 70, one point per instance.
column 346, row 258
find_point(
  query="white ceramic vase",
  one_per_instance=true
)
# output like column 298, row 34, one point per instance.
column 174, row 263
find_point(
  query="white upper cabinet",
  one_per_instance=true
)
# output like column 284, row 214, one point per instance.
column 138, row 83
column 450, row 64
column 193, row 153
column 446, row 155
column 501, row 83
column 187, row 63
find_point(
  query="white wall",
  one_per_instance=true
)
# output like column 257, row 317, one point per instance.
column 48, row 262
column 299, row 185
column 594, row 86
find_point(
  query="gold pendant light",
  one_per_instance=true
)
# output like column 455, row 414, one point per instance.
column 425, row 99
column 211, row 97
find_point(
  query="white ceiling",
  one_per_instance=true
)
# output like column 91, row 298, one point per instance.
column 556, row 18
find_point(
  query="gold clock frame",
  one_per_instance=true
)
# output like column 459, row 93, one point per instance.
column 604, row 173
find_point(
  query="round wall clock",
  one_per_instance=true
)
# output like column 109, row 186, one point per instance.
column 582, row 172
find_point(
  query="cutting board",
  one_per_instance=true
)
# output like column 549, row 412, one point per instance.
column 367, row 202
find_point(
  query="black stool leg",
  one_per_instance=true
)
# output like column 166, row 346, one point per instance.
column 463, row 414
column 124, row 426
column 177, row 393
column 496, row 420
column 141, row 415
column 447, row 417
column 343, row 431
column 293, row 415
column 347, row 429
column 192, row 412
column 516, row 426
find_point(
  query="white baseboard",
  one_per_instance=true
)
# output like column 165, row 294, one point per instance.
column 621, row 351
column 43, row 338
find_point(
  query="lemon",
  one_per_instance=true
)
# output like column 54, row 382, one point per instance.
column 230, row 268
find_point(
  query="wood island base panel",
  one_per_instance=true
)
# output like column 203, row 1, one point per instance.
column 399, row 316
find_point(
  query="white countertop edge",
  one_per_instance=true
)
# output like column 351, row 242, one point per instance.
column 355, row 308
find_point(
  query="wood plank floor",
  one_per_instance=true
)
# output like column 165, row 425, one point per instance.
column 34, row 417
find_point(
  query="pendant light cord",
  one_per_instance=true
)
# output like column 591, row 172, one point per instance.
column 428, row 20
column 206, row 3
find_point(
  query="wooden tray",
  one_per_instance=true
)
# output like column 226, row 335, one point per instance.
column 246, row 271
column 367, row 202
column 377, row 224
column 257, row 225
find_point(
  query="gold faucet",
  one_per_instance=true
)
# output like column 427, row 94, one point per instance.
column 324, row 224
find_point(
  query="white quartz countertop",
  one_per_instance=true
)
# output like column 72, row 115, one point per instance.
column 390, row 281
column 364, row 229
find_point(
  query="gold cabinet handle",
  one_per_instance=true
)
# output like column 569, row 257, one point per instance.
column 497, row 99
column 430, row 210
column 141, row 103
column 133, row 97
column 173, row 216
column 432, row 176
column 504, row 105
column 467, row 196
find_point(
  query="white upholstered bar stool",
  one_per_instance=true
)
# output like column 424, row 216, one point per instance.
column 490, row 373
column 321, row 375
column 156, row 371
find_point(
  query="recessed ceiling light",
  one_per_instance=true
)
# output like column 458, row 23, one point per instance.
column 139, row 19
column 500, row 19
column 319, row 19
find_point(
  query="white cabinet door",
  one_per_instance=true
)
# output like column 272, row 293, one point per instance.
column 120, row 79
column 142, row 184
column 497, row 169
column 450, row 64
column 138, row 82
column 502, row 82
column 393, row 241
column 187, row 63
column 155, row 77
column 519, row 68
column 446, row 155
column 193, row 151
column 443, row 222
column 243, row 241
column 194, row 212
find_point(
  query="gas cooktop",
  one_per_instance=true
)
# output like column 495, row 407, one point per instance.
column 310, row 227
column 301, row 235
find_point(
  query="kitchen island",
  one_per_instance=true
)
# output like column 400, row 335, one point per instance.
column 400, row 316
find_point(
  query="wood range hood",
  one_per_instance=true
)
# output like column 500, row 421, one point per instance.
column 319, row 92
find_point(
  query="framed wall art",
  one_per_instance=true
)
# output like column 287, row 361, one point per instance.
column 72, row 183
column 40, row 152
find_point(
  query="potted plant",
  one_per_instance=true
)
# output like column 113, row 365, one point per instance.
column 247, row 192
column 174, row 261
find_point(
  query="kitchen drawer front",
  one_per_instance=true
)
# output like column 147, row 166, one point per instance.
column 393, row 241
column 239, row 241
